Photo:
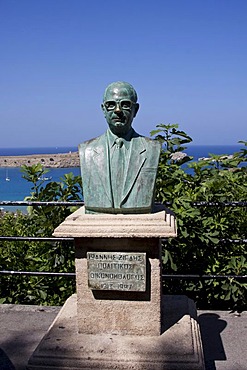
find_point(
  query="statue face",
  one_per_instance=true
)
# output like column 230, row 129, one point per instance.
column 119, row 109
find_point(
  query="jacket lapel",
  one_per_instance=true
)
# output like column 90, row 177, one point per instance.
column 100, row 157
column 137, row 158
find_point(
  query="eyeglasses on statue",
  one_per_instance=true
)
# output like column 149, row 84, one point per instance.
column 123, row 104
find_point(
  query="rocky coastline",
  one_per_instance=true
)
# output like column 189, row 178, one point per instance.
column 62, row 160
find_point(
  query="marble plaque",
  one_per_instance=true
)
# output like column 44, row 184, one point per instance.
column 117, row 271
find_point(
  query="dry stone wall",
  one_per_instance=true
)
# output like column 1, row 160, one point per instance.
column 62, row 160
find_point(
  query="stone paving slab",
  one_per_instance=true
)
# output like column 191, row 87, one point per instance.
column 224, row 339
column 21, row 329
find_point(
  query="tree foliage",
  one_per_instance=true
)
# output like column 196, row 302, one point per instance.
column 39, row 256
column 204, row 245
column 204, row 242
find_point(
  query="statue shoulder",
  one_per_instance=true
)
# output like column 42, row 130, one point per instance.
column 92, row 143
column 155, row 144
column 151, row 143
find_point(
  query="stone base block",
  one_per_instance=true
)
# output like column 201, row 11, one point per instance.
column 178, row 347
column 119, row 312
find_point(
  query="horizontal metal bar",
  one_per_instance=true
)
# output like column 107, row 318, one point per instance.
column 67, row 239
column 225, row 241
column 164, row 276
column 203, row 277
column 220, row 204
column 38, row 273
column 34, row 238
column 34, row 203
column 234, row 241
column 81, row 203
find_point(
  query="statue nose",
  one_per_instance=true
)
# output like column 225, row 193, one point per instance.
column 117, row 109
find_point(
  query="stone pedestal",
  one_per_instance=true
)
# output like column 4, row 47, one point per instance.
column 177, row 348
column 119, row 311
column 112, row 325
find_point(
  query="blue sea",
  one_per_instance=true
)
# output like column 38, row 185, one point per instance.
column 18, row 188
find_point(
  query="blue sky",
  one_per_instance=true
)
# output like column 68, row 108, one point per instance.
column 187, row 60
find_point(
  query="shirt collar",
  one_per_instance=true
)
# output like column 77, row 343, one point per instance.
column 126, row 139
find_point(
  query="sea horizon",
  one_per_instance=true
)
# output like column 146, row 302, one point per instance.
column 36, row 150
column 17, row 188
column 196, row 150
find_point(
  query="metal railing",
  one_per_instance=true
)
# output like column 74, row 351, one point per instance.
column 67, row 239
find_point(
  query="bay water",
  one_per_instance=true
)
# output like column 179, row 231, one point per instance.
column 17, row 188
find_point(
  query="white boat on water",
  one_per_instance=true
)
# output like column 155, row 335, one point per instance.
column 7, row 176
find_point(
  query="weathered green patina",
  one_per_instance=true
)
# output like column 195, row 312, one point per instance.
column 119, row 168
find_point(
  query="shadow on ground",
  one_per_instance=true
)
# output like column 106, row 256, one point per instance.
column 21, row 329
column 5, row 363
column 211, row 327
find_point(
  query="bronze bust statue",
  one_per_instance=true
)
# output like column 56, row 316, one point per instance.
column 119, row 168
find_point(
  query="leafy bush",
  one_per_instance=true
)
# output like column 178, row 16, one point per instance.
column 203, row 245
column 39, row 256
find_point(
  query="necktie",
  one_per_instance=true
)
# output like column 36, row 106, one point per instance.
column 117, row 171
column 119, row 142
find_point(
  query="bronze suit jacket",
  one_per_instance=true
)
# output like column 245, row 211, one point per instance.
column 139, row 181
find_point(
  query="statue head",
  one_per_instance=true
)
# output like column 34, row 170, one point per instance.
column 120, row 107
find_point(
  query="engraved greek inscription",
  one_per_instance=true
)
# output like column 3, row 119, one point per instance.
column 125, row 286
column 114, row 266
column 117, row 271
column 136, row 258
column 107, row 286
column 122, row 257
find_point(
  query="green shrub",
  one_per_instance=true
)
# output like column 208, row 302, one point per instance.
column 198, row 248
column 39, row 256
column 203, row 246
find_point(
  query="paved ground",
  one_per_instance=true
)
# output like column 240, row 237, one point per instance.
column 224, row 338
column 22, row 327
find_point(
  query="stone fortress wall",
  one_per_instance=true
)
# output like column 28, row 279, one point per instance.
column 62, row 160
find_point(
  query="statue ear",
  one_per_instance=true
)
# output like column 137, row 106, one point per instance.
column 103, row 108
column 136, row 108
